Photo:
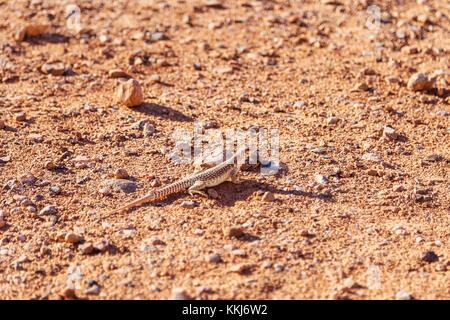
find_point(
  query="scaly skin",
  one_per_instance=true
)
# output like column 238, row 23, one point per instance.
column 227, row 170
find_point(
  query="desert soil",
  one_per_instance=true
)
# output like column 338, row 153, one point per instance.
column 358, row 210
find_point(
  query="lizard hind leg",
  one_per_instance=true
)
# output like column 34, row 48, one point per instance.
column 196, row 187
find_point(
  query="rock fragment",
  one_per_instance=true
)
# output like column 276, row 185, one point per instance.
column 361, row 86
column 389, row 133
column 20, row 116
column 373, row 157
column 188, row 204
column 86, row 248
column 420, row 81
column 434, row 158
column 69, row 293
column 179, row 294
column 123, row 185
column 233, row 231
column 155, row 78
column 403, row 295
column 31, row 30
column 213, row 258
column 72, row 237
column 55, row 68
column 117, row 73
column 332, row 120
column 242, row 268
column 121, row 174
column 28, row 178
column 429, row 256
column 129, row 92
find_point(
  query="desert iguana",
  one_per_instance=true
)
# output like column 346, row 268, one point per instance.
column 225, row 171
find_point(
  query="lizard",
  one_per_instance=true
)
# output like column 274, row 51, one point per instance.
column 225, row 171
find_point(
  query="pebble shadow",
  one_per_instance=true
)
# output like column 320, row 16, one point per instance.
column 158, row 110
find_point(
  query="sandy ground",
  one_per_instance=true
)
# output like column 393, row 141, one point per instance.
column 358, row 210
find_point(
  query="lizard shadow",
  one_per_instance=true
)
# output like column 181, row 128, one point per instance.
column 158, row 110
column 247, row 188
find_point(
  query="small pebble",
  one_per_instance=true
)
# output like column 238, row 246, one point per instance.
column 318, row 150
column 349, row 283
column 241, row 268
column 117, row 73
column 188, row 204
column 420, row 81
column 155, row 79
column 239, row 252
column 300, row 104
column 361, row 86
column 179, row 294
column 86, row 248
column 372, row 157
column 441, row 267
column 55, row 189
column 233, row 231
column 321, row 179
column 20, row 116
column 429, row 256
column 101, row 246
column 332, row 120
column 187, row 19
column 69, row 293
column 94, row 290
column 434, row 158
column 199, row 232
column 121, row 174
column 72, row 238
column 390, row 133
column 48, row 210
column 304, row 233
column 34, row 30
column 403, row 295
column 278, row 267
column 129, row 92
column 55, row 69
column 214, row 258
column 126, row 186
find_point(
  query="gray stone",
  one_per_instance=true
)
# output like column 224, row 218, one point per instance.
column 371, row 157
column 429, row 256
column 48, row 210
column 188, row 204
column 123, row 185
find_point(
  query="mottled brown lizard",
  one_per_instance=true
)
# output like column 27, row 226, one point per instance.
column 225, row 171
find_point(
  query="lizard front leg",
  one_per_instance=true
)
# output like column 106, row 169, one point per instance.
column 233, row 177
column 196, row 187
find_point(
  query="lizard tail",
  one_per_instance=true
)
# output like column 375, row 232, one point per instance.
column 154, row 195
column 133, row 204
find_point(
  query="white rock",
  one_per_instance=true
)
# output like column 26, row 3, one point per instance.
column 403, row 295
